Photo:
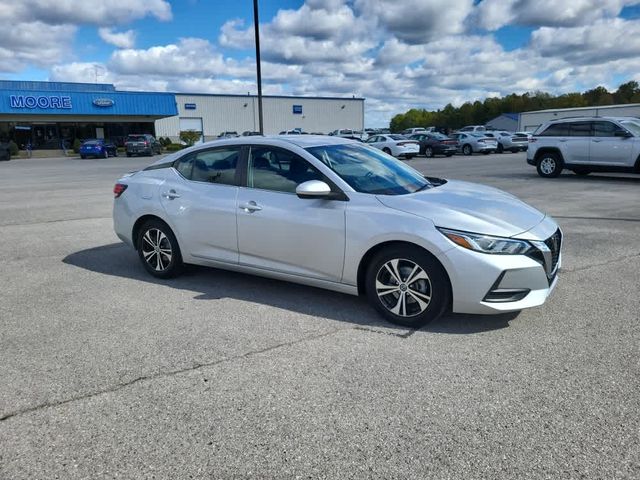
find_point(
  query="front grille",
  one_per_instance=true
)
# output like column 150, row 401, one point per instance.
column 554, row 243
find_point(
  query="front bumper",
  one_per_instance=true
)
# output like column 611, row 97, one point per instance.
column 489, row 284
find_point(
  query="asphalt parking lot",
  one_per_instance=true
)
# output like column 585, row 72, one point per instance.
column 106, row 372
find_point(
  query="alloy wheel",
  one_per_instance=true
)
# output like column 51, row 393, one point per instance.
column 403, row 287
column 548, row 165
column 156, row 249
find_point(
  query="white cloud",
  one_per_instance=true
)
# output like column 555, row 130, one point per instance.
column 96, row 12
column 33, row 44
column 119, row 39
column 494, row 14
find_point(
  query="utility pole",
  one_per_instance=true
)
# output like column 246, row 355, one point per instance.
column 256, row 25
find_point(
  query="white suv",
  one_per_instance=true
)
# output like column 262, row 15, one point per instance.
column 585, row 145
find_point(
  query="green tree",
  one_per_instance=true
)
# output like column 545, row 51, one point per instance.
column 190, row 136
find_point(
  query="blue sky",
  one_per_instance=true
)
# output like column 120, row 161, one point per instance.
column 398, row 54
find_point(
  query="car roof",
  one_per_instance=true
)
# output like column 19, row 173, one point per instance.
column 592, row 118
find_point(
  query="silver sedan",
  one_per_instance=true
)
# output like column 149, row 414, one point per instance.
column 340, row 215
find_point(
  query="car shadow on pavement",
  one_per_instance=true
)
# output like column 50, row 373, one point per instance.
column 119, row 260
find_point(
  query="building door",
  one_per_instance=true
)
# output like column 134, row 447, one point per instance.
column 192, row 123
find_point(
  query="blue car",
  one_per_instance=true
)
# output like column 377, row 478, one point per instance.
column 98, row 148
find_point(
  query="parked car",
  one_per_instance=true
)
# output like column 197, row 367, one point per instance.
column 414, row 130
column 249, row 133
column 473, row 128
column 472, row 142
column 98, row 148
column 340, row 215
column 396, row 145
column 509, row 141
column 348, row 133
column 232, row 134
column 142, row 144
column 435, row 144
column 585, row 145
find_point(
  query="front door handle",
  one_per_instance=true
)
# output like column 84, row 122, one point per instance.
column 171, row 194
column 596, row 141
column 250, row 207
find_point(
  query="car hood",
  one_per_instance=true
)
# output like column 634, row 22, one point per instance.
column 469, row 207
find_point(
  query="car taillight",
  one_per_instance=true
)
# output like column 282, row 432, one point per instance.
column 146, row 144
column 119, row 189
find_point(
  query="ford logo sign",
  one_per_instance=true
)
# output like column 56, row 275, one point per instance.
column 103, row 102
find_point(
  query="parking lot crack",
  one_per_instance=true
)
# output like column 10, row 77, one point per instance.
column 602, row 264
column 165, row 374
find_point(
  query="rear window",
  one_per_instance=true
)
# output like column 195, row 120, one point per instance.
column 396, row 137
column 136, row 138
column 92, row 142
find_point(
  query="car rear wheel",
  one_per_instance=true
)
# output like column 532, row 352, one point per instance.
column 407, row 286
column 428, row 152
column 158, row 250
column 467, row 150
column 386, row 150
column 500, row 148
column 105, row 154
column 549, row 165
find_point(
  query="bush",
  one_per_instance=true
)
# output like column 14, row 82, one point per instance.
column 13, row 148
column 174, row 147
column 190, row 136
column 166, row 141
column 76, row 145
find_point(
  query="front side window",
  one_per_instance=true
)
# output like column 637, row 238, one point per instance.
column 368, row 170
column 556, row 130
column 278, row 170
column 210, row 166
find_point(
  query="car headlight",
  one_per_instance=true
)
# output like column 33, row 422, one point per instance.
column 487, row 243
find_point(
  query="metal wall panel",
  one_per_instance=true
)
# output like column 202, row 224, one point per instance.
column 222, row 113
column 532, row 120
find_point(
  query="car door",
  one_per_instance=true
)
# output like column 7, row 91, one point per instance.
column 279, row 231
column 608, row 147
column 374, row 141
column 200, row 199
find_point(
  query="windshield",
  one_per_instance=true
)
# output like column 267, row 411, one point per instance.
column 368, row 170
column 397, row 137
column 633, row 127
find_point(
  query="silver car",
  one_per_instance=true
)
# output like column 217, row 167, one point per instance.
column 338, row 214
column 471, row 142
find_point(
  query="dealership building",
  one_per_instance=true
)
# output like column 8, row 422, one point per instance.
column 530, row 121
column 44, row 114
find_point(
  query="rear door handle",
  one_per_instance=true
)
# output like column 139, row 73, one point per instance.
column 171, row 194
column 250, row 207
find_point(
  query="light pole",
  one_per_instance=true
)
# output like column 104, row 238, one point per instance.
column 256, row 25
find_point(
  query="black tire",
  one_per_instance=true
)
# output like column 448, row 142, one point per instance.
column 115, row 152
column 105, row 154
column 515, row 150
column 549, row 165
column 128, row 154
column 83, row 156
column 486, row 152
column 409, row 156
column 500, row 148
column 467, row 150
column 428, row 152
column 581, row 171
column 435, row 286
column 169, row 250
column 386, row 150
column 449, row 154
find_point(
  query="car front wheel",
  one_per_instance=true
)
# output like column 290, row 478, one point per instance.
column 467, row 150
column 407, row 286
column 549, row 165
column 158, row 250
column 429, row 152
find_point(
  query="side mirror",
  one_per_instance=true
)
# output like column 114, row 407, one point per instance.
column 313, row 189
column 623, row 133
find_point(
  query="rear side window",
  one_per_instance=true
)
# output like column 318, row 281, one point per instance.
column 580, row 129
column 605, row 129
column 210, row 166
column 556, row 130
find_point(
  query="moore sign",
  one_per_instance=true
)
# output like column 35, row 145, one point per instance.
column 44, row 102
